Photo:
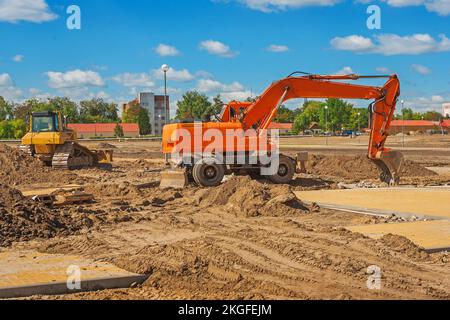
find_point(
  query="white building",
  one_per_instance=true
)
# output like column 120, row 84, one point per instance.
column 155, row 106
column 446, row 109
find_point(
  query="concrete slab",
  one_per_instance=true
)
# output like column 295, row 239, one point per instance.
column 433, row 236
column 430, row 203
column 26, row 273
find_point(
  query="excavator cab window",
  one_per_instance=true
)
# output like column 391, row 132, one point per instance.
column 45, row 122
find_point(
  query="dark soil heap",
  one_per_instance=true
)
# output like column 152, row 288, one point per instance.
column 359, row 167
column 22, row 219
column 18, row 168
column 249, row 198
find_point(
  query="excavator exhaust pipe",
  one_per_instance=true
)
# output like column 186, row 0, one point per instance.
column 174, row 178
column 390, row 164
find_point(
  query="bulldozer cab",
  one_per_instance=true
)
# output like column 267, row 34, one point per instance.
column 46, row 122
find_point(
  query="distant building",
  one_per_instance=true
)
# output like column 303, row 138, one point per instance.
column 103, row 130
column 284, row 128
column 446, row 110
column 406, row 126
column 154, row 104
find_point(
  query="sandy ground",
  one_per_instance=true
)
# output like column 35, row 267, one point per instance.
column 198, row 244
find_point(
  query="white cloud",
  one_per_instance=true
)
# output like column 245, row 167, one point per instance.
column 421, row 69
column 74, row 79
column 345, row 71
column 209, row 85
column 441, row 7
column 5, row 80
column 174, row 75
column 392, row 44
column 18, row 58
column 36, row 11
column 277, row 48
column 277, row 5
column 204, row 74
column 7, row 88
column 426, row 103
column 165, row 50
column 134, row 80
column 217, row 48
column 384, row 70
column 352, row 43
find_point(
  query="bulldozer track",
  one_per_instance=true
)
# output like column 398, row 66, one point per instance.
column 72, row 155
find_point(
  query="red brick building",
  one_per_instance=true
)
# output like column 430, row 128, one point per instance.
column 407, row 126
column 284, row 128
column 103, row 130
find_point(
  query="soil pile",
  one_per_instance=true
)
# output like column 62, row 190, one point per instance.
column 23, row 220
column 249, row 198
column 17, row 168
column 359, row 167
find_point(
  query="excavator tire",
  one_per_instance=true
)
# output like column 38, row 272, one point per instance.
column 208, row 173
column 286, row 171
column 72, row 155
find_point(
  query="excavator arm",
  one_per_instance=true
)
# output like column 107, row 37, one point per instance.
column 261, row 113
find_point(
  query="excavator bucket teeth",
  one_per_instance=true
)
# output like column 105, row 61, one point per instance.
column 390, row 163
column 174, row 178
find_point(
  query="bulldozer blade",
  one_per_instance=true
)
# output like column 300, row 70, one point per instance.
column 174, row 178
column 390, row 163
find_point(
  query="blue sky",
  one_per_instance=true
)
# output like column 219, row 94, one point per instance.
column 233, row 47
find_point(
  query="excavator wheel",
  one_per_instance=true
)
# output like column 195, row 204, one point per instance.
column 286, row 171
column 208, row 173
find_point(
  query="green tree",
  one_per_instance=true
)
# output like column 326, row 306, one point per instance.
column 284, row 115
column 6, row 108
column 337, row 115
column 98, row 111
column 6, row 130
column 66, row 106
column 118, row 131
column 136, row 114
column 311, row 113
column 194, row 106
column 19, row 128
column 359, row 119
column 432, row 116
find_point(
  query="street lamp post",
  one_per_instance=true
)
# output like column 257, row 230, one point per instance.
column 326, row 124
column 165, row 68
column 403, row 122
column 359, row 128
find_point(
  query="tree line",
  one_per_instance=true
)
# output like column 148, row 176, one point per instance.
column 14, row 116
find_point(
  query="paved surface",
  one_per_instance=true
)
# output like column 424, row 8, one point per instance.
column 431, row 235
column 432, row 203
column 24, row 273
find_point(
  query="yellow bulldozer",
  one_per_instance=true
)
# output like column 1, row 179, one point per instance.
column 49, row 140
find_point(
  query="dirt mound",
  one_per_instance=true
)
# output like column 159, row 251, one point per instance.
column 113, row 190
column 249, row 198
column 17, row 168
column 359, row 167
column 405, row 246
column 23, row 220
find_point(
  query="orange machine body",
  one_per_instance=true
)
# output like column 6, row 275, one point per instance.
column 238, row 117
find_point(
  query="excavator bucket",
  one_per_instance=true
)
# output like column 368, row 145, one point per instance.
column 390, row 163
column 174, row 178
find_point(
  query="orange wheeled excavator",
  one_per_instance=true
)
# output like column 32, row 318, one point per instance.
column 196, row 160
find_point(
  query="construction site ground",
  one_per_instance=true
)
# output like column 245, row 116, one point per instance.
column 245, row 239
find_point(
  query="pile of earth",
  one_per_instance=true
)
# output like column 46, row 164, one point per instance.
column 245, row 197
column 23, row 219
column 359, row 167
column 18, row 168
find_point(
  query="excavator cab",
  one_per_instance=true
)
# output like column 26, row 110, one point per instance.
column 45, row 122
